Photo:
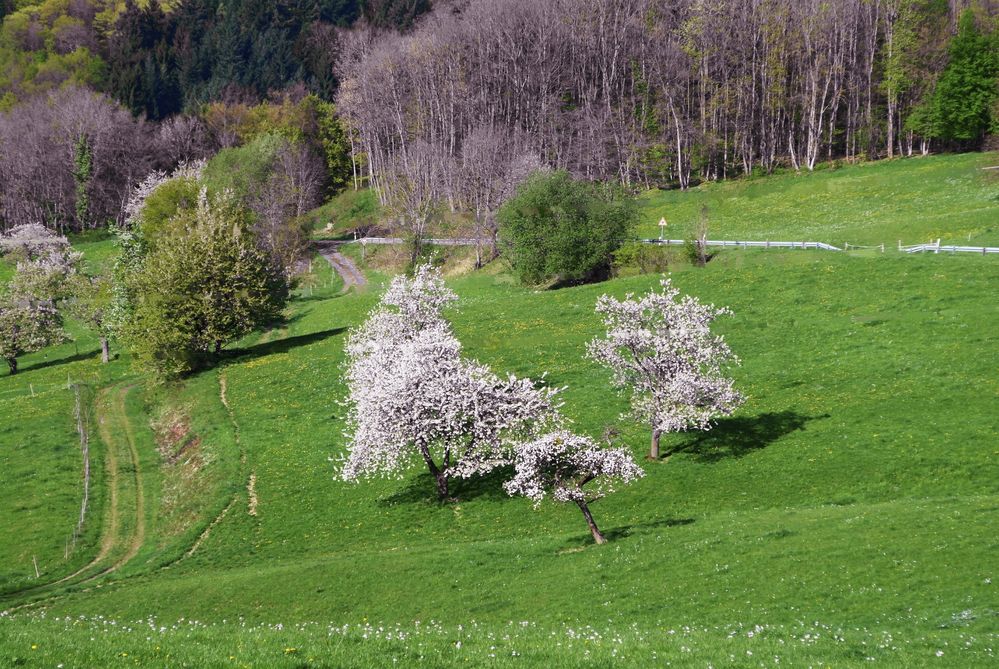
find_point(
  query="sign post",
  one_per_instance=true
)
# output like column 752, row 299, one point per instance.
column 662, row 228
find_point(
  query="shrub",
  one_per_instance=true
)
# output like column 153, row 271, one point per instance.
column 559, row 230
column 641, row 258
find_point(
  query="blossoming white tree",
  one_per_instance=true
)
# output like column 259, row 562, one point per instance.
column 413, row 396
column 561, row 463
column 26, row 328
column 45, row 263
column 663, row 351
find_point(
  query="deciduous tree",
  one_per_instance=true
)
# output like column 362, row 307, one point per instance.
column 562, row 464
column 26, row 327
column 662, row 352
column 413, row 397
column 205, row 284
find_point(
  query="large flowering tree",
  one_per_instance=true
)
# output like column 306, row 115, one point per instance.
column 414, row 398
column 662, row 350
column 561, row 464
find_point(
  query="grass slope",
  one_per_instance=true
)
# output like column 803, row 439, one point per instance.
column 845, row 514
column 916, row 200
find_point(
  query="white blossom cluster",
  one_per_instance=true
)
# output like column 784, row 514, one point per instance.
column 45, row 263
column 412, row 395
column 31, row 241
column 560, row 463
column 663, row 350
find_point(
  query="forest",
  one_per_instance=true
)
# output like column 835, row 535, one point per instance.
column 458, row 102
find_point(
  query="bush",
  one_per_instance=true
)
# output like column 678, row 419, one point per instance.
column 641, row 258
column 558, row 230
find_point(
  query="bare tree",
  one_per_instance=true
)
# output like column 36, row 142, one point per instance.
column 42, row 144
column 642, row 91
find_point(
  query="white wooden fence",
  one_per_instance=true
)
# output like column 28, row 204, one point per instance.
column 748, row 245
column 936, row 247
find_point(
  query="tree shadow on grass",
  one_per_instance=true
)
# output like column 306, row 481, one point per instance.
column 423, row 490
column 282, row 345
column 77, row 357
column 616, row 533
column 741, row 435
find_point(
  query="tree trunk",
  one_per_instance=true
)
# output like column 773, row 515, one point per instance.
column 12, row 363
column 105, row 351
column 654, row 449
column 442, row 489
column 594, row 530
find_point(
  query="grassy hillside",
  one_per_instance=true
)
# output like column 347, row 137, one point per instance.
column 845, row 514
column 915, row 199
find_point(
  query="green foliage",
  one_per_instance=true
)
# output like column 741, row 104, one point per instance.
column 205, row 284
column 636, row 257
column 558, row 229
column 142, row 74
column 162, row 206
column 243, row 169
column 961, row 107
column 336, row 148
column 90, row 300
column 83, row 167
column 42, row 47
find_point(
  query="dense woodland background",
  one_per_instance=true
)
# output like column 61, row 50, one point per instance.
column 457, row 102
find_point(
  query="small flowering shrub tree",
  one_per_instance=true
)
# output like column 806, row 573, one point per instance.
column 31, row 241
column 663, row 351
column 561, row 464
column 45, row 263
column 413, row 397
column 26, row 327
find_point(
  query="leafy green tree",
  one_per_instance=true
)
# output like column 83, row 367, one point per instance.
column 203, row 286
column 83, row 169
column 560, row 230
column 336, row 147
column 961, row 107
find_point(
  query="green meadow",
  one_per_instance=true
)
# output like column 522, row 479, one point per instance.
column 844, row 516
column 915, row 200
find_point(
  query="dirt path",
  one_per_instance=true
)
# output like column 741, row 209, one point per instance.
column 119, row 440
column 139, row 529
column 343, row 265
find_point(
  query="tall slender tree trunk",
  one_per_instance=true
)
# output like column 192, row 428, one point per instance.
column 594, row 530
column 105, row 351
column 654, row 449
column 12, row 363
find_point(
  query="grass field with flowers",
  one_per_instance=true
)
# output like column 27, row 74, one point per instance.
column 844, row 516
